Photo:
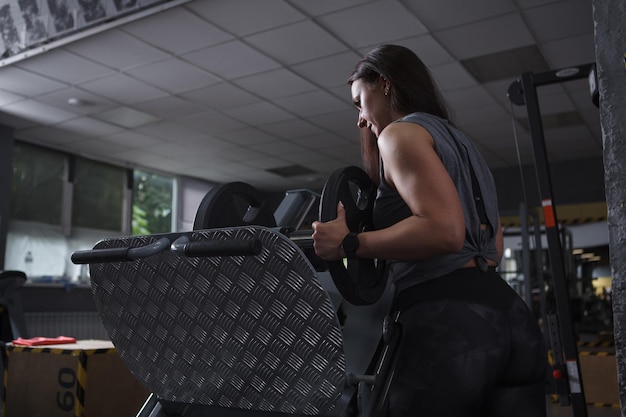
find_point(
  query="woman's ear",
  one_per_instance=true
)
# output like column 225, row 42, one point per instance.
column 384, row 84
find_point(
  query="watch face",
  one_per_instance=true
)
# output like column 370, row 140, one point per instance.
column 350, row 244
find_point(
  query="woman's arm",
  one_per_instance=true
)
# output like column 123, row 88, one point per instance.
column 413, row 167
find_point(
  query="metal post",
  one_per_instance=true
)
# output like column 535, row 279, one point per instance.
column 529, row 81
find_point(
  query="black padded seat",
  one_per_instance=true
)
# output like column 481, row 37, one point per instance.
column 11, row 283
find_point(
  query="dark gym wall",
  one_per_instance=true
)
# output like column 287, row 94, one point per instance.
column 573, row 182
column 6, row 172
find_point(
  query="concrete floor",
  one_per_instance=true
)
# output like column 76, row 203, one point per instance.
column 556, row 410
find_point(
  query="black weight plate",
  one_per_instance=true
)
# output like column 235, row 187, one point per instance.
column 360, row 281
column 233, row 204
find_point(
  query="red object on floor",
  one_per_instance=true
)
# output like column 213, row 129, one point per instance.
column 38, row 341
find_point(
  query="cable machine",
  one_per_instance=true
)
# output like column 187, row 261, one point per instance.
column 566, row 373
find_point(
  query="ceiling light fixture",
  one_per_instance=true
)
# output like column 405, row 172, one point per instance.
column 76, row 102
column 126, row 117
column 567, row 72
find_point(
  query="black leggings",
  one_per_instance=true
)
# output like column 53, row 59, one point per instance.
column 469, row 347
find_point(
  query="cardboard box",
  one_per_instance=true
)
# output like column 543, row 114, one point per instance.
column 599, row 375
column 83, row 379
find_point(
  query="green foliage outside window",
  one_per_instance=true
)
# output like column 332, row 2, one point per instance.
column 152, row 203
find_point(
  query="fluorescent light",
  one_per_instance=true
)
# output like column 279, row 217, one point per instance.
column 127, row 117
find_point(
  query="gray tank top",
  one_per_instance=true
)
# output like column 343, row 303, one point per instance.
column 459, row 156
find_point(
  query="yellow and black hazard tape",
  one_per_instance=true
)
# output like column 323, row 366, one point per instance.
column 554, row 399
column 81, row 372
column 596, row 344
column 604, row 405
column 586, row 353
column 81, row 376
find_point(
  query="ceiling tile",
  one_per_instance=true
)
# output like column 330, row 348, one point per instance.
column 483, row 115
column 506, row 64
column 259, row 114
column 428, row 49
column 331, row 71
column 277, row 148
column 17, row 122
column 120, row 87
column 320, row 7
column 221, row 96
column 296, row 43
column 239, row 154
column 169, row 131
column 65, row 67
column 51, row 135
column 236, row 16
column 97, row 148
column 499, row 91
column 163, row 30
column 322, row 140
column 579, row 20
column 265, row 162
column 132, row 139
column 26, row 83
column 169, row 107
column 257, row 52
column 274, row 84
column 312, row 104
column 141, row 157
column 292, row 129
column 373, row 23
column 457, row 12
column 173, row 75
column 170, row 149
column 247, row 136
column 90, row 127
column 486, row 37
column 211, row 122
column 231, row 60
column 343, row 123
column 38, row 112
column 451, row 76
column 7, row 97
column 577, row 50
column 105, row 49
column 89, row 103
column 464, row 98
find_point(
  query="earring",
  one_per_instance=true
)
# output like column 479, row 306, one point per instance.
column 387, row 91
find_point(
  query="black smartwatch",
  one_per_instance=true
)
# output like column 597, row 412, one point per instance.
column 350, row 244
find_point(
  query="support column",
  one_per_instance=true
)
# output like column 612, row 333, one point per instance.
column 6, row 173
column 610, row 40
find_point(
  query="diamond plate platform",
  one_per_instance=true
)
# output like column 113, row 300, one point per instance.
column 250, row 332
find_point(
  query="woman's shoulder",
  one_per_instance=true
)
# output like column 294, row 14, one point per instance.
column 402, row 136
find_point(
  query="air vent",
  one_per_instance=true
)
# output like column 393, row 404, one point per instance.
column 291, row 171
column 506, row 64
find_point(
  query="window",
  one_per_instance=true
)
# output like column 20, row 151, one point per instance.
column 152, row 203
column 37, row 184
column 98, row 197
column 62, row 203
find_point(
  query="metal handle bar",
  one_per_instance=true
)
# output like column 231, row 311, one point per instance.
column 182, row 245
column 232, row 247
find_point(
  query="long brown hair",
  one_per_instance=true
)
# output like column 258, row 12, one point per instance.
column 412, row 89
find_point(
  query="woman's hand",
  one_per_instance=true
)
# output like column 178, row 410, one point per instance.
column 328, row 236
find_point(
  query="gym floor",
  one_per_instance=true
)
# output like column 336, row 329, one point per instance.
column 556, row 410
